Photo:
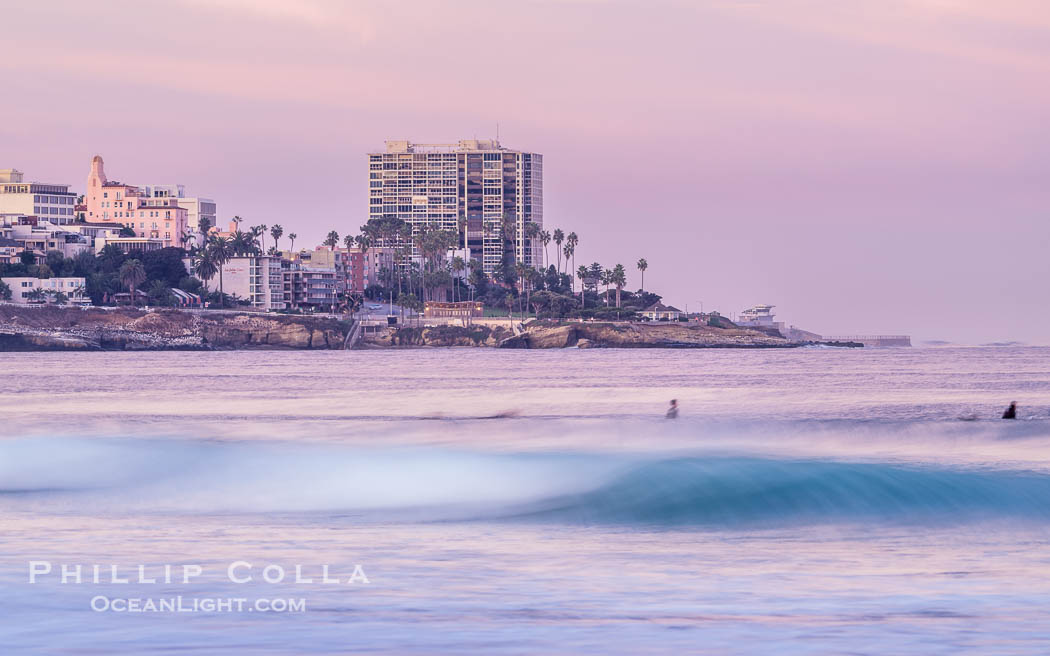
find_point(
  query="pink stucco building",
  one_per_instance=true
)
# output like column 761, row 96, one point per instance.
column 115, row 202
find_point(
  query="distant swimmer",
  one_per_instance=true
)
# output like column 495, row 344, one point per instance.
column 1011, row 412
column 672, row 412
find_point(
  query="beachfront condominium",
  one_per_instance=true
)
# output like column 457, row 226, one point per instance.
column 48, row 202
column 433, row 185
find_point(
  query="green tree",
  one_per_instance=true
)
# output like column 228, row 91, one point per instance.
column 159, row 293
column 332, row 240
column 410, row 301
column 132, row 274
column 642, row 266
column 292, row 237
column 5, row 291
column 164, row 264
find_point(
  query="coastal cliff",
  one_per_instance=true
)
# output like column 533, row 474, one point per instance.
column 551, row 334
column 46, row 328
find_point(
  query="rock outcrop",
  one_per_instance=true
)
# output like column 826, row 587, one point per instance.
column 550, row 334
column 640, row 335
column 32, row 328
column 407, row 336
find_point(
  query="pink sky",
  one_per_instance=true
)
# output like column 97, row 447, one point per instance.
column 874, row 166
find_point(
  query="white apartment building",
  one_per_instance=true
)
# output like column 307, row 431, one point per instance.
column 255, row 278
column 23, row 289
column 433, row 185
column 50, row 202
column 43, row 236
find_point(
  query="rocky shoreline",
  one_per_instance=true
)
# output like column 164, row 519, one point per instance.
column 56, row 328
column 554, row 334
column 62, row 328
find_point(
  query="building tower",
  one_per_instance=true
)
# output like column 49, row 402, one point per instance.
column 496, row 190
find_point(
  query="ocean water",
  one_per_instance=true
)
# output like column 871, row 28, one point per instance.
column 523, row 502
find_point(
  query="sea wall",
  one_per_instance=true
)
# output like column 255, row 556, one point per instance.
column 41, row 328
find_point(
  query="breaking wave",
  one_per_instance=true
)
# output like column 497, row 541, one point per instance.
column 342, row 483
column 743, row 490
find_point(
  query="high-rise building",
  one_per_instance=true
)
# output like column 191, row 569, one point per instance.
column 498, row 191
column 50, row 202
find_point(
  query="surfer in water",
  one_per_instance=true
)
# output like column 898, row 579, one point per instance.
column 1011, row 412
column 672, row 412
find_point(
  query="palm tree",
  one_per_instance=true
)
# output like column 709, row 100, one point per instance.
column 221, row 251
column 642, row 266
column 582, row 272
column 259, row 232
column 331, row 240
column 532, row 231
column 572, row 241
column 348, row 241
column 559, row 237
column 204, row 266
column 461, row 224
column 570, row 251
column 606, row 279
column 508, row 300
column 203, row 226
column 276, row 231
column 545, row 238
column 242, row 243
column 458, row 266
column 521, row 271
column 132, row 274
column 618, row 277
column 292, row 236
